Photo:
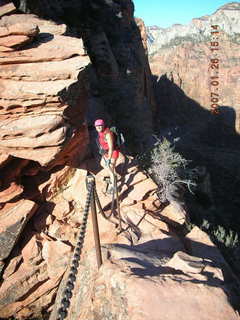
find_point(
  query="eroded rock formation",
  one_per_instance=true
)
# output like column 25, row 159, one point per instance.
column 43, row 102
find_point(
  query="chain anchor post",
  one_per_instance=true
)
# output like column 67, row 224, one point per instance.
column 95, row 225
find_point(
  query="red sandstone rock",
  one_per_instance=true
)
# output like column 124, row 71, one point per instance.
column 14, row 41
column 32, row 253
column 32, row 303
column 45, row 26
column 6, row 7
column 200, row 245
column 46, row 51
column 63, row 231
column 5, row 49
column 44, row 275
column 61, row 210
column 136, row 285
column 12, row 266
column 140, row 190
column 56, row 254
column 17, row 35
column 4, row 158
column 23, row 28
column 17, row 286
column 38, row 96
column 186, row 263
column 13, row 218
column 2, row 264
column 10, row 193
column 11, row 170
column 173, row 216
column 143, row 32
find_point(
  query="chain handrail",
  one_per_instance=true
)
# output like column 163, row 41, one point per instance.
column 92, row 196
column 67, row 293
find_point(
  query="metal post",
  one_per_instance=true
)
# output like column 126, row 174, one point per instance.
column 117, row 202
column 96, row 230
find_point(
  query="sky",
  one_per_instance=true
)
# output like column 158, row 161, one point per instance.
column 164, row 13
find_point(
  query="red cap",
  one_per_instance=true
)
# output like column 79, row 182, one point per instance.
column 99, row 122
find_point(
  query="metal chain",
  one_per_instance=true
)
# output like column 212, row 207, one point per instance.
column 67, row 293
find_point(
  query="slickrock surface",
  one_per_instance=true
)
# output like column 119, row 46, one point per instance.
column 148, row 271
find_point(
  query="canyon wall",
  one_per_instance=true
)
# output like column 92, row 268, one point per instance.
column 185, row 56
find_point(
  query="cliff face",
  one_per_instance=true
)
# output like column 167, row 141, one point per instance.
column 191, row 78
column 42, row 99
column 189, row 72
column 42, row 127
column 188, row 66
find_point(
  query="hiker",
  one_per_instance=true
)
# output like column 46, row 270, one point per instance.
column 108, row 149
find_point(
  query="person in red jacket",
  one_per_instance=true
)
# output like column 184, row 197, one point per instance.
column 110, row 153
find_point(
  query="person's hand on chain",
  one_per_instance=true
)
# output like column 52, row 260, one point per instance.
column 108, row 162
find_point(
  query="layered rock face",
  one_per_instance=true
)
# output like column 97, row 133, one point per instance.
column 41, row 97
column 43, row 100
column 122, row 86
column 188, row 67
